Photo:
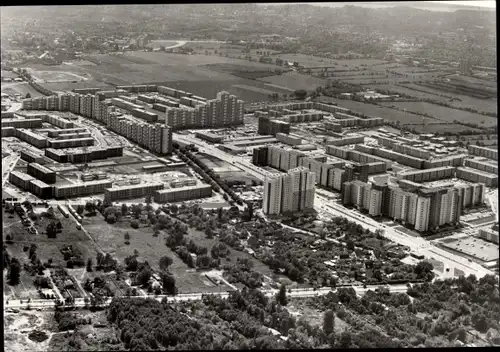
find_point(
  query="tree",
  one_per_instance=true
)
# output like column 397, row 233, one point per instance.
column 131, row 263
column 165, row 262
column 59, row 226
column 134, row 224
column 300, row 94
column 281, row 296
column 51, row 230
column 149, row 199
column 90, row 207
column 168, row 282
column 32, row 252
column 89, row 265
column 209, row 233
column 328, row 322
column 79, row 209
column 127, row 238
column 124, row 209
column 144, row 276
column 28, row 95
column 14, row 273
column 99, row 260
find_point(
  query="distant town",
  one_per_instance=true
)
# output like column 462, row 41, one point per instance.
column 248, row 191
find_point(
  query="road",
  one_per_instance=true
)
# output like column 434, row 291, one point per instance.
column 8, row 164
column 492, row 198
column 417, row 244
column 296, row 293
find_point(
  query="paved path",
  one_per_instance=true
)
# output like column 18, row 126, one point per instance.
column 296, row 293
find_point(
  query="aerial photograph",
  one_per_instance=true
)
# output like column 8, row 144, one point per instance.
column 250, row 176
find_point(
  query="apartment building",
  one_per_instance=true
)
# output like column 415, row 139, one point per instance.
column 483, row 151
column 22, row 123
column 291, row 192
column 473, row 175
column 42, row 173
column 132, row 191
column 81, row 189
column 182, row 193
column 20, row 179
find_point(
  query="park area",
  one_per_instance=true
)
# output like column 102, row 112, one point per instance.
column 47, row 248
column 296, row 81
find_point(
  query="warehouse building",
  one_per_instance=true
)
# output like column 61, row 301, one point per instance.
column 183, row 193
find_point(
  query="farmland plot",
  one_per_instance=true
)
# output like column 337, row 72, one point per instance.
column 296, row 81
column 485, row 105
column 445, row 114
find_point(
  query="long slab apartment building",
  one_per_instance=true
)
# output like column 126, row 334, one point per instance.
column 225, row 110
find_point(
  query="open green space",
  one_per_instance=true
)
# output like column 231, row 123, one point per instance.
column 294, row 80
column 444, row 114
column 20, row 88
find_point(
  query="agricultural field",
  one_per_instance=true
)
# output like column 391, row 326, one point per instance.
column 159, row 43
column 20, row 88
column 405, row 118
column 443, row 113
column 484, row 105
column 8, row 74
column 314, row 61
column 246, row 71
column 296, row 81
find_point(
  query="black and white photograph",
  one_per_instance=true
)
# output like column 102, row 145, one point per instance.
column 249, row 176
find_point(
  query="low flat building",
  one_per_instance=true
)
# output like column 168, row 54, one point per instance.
column 132, row 191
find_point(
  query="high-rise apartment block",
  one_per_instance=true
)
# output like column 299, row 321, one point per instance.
column 427, row 209
column 291, row 192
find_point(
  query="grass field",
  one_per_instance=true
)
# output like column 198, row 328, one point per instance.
column 405, row 118
column 21, row 88
column 296, row 81
column 444, row 114
column 314, row 61
column 57, row 76
column 111, row 239
column 8, row 74
column 485, row 105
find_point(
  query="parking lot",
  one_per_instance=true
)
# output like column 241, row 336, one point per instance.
column 472, row 246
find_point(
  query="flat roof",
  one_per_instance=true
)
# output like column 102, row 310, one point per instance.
column 185, row 188
column 477, row 172
column 75, row 139
column 441, row 168
column 85, row 184
column 41, row 168
column 40, row 184
column 143, row 185
column 22, row 175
